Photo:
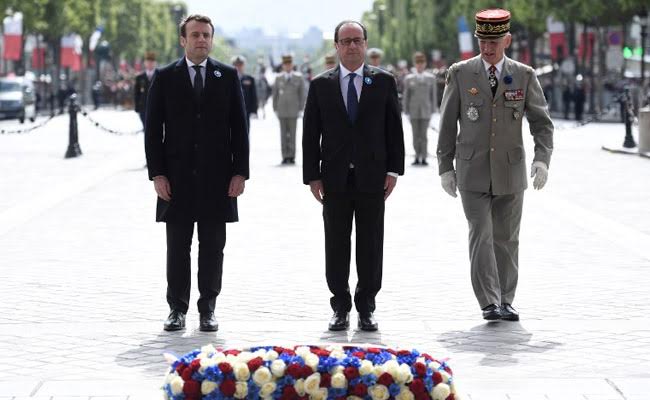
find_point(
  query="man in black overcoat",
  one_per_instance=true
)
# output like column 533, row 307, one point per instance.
column 353, row 151
column 197, row 156
column 247, row 87
column 142, row 82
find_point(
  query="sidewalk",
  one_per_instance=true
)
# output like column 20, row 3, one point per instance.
column 82, row 262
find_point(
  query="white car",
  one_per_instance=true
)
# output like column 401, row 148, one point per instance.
column 17, row 99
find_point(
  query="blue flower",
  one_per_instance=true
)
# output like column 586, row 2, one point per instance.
column 351, row 362
column 327, row 363
column 507, row 79
column 369, row 379
column 394, row 389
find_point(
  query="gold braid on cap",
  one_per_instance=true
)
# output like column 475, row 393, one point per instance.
column 489, row 28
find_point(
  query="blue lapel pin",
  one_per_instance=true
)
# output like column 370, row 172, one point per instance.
column 367, row 80
column 507, row 79
column 217, row 73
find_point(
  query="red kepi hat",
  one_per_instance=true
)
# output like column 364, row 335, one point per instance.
column 492, row 23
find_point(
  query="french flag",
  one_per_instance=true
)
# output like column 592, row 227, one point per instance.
column 71, row 51
column 13, row 36
column 464, row 39
column 557, row 39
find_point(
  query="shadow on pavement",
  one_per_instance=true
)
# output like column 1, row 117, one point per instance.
column 500, row 342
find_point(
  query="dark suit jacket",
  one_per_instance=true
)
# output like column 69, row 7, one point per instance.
column 198, row 146
column 374, row 143
column 140, row 92
column 250, row 93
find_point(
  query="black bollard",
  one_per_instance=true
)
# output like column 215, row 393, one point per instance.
column 628, row 116
column 73, row 145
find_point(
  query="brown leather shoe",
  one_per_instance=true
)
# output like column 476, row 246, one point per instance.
column 508, row 313
column 367, row 322
column 208, row 322
column 492, row 312
column 340, row 321
column 175, row 321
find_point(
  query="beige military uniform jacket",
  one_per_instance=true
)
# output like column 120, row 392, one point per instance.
column 418, row 99
column 489, row 148
column 288, row 95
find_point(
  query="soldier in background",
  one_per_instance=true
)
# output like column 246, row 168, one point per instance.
column 288, row 102
column 247, row 87
column 418, row 103
column 375, row 56
column 142, row 83
column 263, row 90
column 330, row 61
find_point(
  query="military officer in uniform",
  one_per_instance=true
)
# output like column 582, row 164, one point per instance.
column 418, row 101
column 142, row 82
column 488, row 96
column 330, row 61
column 247, row 87
column 288, row 102
column 374, row 57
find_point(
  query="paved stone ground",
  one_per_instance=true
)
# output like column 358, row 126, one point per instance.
column 82, row 267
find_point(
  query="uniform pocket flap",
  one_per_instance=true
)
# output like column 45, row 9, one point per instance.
column 476, row 102
column 465, row 152
column 513, row 104
column 516, row 155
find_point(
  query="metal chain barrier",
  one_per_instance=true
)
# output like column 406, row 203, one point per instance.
column 26, row 130
column 99, row 125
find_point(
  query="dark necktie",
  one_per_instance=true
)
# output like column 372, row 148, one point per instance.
column 198, row 82
column 492, row 77
column 353, row 100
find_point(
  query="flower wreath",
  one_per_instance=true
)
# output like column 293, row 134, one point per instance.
column 308, row 372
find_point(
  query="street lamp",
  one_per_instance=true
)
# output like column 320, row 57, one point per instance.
column 643, row 22
column 177, row 12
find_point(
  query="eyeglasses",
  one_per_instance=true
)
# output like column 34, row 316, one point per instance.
column 348, row 41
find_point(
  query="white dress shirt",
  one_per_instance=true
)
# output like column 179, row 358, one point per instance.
column 192, row 72
column 498, row 65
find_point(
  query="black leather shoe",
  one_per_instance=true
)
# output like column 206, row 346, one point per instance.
column 285, row 161
column 340, row 321
column 208, row 323
column 508, row 313
column 416, row 162
column 292, row 161
column 492, row 312
column 175, row 321
column 367, row 322
column 424, row 162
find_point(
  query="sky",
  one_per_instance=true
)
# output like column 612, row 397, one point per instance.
column 279, row 16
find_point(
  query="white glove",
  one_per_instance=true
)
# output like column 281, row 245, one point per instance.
column 539, row 171
column 448, row 181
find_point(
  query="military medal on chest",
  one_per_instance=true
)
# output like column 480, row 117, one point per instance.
column 472, row 113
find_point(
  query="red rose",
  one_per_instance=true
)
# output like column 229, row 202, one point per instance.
column 192, row 389
column 422, row 396
column 325, row 380
column 228, row 387
column 359, row 354
column 448, row 370
column 255, row 363
column 232, row 351
column 225, row 367
column 420, row 369
column 320, row 352
column 289, row 392
column 403, row 353
column 195, row 364
column 374, row 350
column 306, row 371
column 417, row 386
column 180, row 367
column 427, row 357
column 187, row 374
column 351, row 373
column 391, row 351
column 451, row 397
column 294, row 370
column 385, row 379
column 437, row 378
column 360, row 390
column 279, row 349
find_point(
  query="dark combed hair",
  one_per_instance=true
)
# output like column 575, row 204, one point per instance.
column 349, row 21
column 194, row 17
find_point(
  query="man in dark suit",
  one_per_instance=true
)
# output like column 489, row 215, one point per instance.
column 142, row 82
column 197, row 156
column 353, row 149
column 247, row 87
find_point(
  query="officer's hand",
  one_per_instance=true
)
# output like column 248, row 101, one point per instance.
column 163, row 188
column 236, row 187
column 316, row 188
column 389, row 185
column 539, row 171
column 448, row 181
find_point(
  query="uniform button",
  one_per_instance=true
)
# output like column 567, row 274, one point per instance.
column 494, row 105
column 494, row 120
column 492, row 149
column 198, row 116
column 493, row 134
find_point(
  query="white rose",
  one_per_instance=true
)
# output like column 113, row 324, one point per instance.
column 378, row 392
column 208, row 349
column 440, row 392
column 232, row 359
column 338, row 354
column 320, row 394
column 405, row 394
column 261, row 376
column 241, row 390
column 404, row 374
column 366, row 367
column 241, row 371
column 303, row 351
column 208, row 386
column 354, row 398
column 445, row 376
column 218, row 357
column 311, row 360
column 336, row 370
column 434, row 365
column 312, row 383
column 378, row 370
column 421, row 360
column 270, row 355
column 278, row 367
column 391, row 366
column 246, row 356
column 299, row 385
column 177, row 385
column 339, row 381
column 208, row 362
column 267, row 389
